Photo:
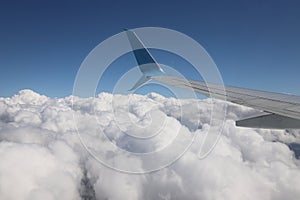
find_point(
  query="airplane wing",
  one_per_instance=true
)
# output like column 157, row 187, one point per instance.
column 281, row 111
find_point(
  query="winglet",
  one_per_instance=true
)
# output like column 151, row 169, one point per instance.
column 147, row 64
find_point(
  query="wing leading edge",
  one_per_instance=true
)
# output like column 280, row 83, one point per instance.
column 281, row 111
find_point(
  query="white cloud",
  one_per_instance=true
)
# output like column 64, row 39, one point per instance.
column 30, row 171
column 42, row 157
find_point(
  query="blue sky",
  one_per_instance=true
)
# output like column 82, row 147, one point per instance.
column 255, row 44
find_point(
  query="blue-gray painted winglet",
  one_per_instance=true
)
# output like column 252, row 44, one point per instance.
column 147, row 64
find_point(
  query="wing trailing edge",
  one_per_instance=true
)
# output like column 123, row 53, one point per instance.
column 270, row 121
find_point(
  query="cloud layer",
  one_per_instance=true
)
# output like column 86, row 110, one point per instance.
column 42, row 156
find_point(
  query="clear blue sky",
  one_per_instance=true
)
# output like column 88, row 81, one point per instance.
column 255, row 44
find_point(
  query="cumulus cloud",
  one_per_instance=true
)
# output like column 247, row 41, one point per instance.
column 42, row 155
column 30, row 171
